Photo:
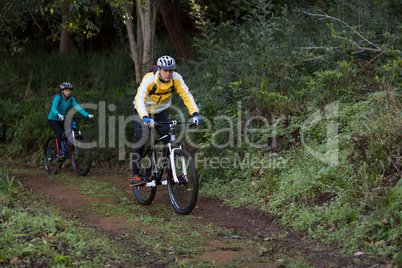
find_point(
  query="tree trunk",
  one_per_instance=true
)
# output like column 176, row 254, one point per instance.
column 65, row 41
column 172, row 20
column 140, row 36
column 134, row 50
column 66, row 36
column 145, row 18
column 141, row 42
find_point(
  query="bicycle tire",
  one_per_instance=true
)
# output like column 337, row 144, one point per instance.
column 81, row 155
column 183, row 195
column 145, row 194
column 49, row 154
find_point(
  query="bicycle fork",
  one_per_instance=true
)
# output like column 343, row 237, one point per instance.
column 171, row 155
column 173, row 164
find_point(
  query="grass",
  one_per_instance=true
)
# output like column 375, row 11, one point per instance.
column 352, row 203
column 10, row 187
column 34, row 234
column 48, row 238
column 39, row 234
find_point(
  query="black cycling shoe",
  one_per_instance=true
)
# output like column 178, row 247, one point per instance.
column 136, row 180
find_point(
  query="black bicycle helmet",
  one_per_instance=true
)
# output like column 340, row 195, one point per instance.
column 66, row 85
column 166, row 63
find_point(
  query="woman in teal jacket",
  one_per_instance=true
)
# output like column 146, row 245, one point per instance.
column 61, row 104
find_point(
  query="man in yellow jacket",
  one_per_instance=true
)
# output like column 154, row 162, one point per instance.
column 153, row 97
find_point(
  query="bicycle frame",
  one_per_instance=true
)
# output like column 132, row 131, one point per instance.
column 156, row 170
column 72, row 147
column 70, row 133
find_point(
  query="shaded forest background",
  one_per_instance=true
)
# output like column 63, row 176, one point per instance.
column 314, row 85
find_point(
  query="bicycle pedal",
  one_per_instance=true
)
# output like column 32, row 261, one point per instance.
column 149, row 184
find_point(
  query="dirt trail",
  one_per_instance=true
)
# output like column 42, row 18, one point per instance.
column 244, row 224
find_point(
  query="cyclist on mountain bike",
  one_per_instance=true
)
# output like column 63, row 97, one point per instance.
column 153, row 98
column 61, row 104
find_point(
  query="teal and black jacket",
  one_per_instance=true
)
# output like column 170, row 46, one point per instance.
column 61, row 106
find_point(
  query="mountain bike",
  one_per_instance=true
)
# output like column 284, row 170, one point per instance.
column 74, row 146
column 174, row 167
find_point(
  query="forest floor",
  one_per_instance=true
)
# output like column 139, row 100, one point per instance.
column 236, row 237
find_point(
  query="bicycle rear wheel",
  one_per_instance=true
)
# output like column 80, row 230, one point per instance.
column 145, row 194
column 81, row 155
column 183, row 195
column 50, row 151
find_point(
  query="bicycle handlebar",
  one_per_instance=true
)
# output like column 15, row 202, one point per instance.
column 80, row 117
column 77, row 117
column 174, row 122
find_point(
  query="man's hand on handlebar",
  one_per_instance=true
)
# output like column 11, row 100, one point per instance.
column 149, row 121
column 196, row 119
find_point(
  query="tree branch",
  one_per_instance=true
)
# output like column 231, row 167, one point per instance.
column 376, row 48
column 35, row 21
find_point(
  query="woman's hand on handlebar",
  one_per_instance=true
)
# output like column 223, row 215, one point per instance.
column 61, row 117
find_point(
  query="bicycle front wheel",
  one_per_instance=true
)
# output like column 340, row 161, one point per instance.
column 183, row 194
column 145, row 194
column 50, row 151
column 81, row 155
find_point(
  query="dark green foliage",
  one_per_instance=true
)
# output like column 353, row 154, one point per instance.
column 99, row 79
column 389, row 218
column 324, row 82
column 306, row 74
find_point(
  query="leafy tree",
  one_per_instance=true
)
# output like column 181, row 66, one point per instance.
column 67, row 18
column 56, row 20
column 141, row 40
column 13, row 22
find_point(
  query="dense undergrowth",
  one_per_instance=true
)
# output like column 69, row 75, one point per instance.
column 302, row 115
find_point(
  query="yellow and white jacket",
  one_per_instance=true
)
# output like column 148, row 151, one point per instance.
column 147, row 103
